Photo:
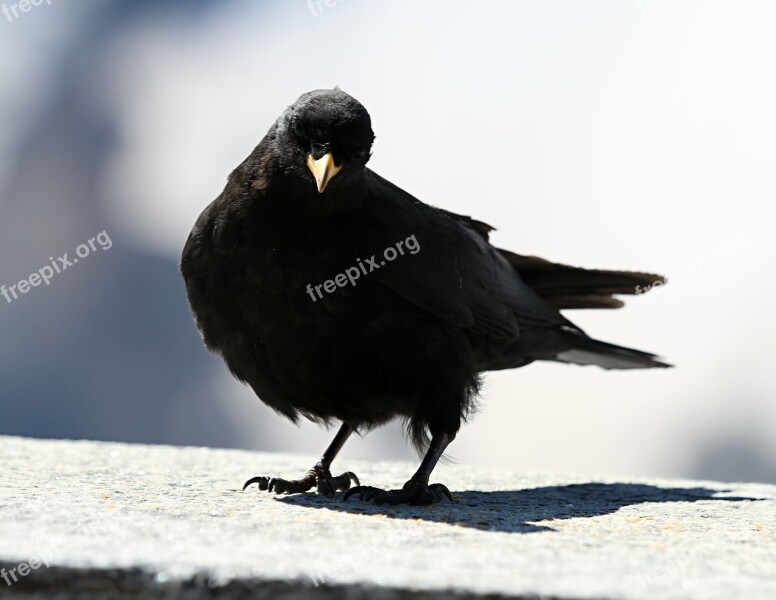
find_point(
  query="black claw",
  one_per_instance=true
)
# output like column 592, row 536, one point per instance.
column 359, row 490
column 343, row 482
column 440, row 490
column 412, row 493
column 372, row 495
column 262, row 481
column 320, row 479
column 325, row 487
column 278, row 485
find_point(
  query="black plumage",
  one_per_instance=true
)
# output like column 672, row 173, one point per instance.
column 404, row 334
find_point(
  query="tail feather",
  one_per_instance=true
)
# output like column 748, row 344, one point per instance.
column 565, row 286
column 587, row 351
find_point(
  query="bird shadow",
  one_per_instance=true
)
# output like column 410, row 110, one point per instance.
column 522, row 511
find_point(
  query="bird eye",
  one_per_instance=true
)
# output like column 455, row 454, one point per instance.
column 296, row 127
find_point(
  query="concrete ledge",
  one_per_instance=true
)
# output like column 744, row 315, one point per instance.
column 95, row 520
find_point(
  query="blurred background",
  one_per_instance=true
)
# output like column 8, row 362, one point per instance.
column 619, row 134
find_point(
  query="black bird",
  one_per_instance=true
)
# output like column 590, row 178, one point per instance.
column 338, row 296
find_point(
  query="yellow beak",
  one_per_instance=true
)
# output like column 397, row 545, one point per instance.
column 322, row 169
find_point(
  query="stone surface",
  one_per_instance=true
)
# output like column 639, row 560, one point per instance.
column 153, row 521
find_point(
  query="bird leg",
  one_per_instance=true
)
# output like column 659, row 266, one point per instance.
column 319, row 476
column 416, row 491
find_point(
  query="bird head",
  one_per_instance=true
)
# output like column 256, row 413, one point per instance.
column 326, row 134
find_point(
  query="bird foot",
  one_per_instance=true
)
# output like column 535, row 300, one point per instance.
column 318, row 477
column 413, row 492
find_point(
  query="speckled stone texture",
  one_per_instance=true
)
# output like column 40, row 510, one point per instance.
column 117, row 520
